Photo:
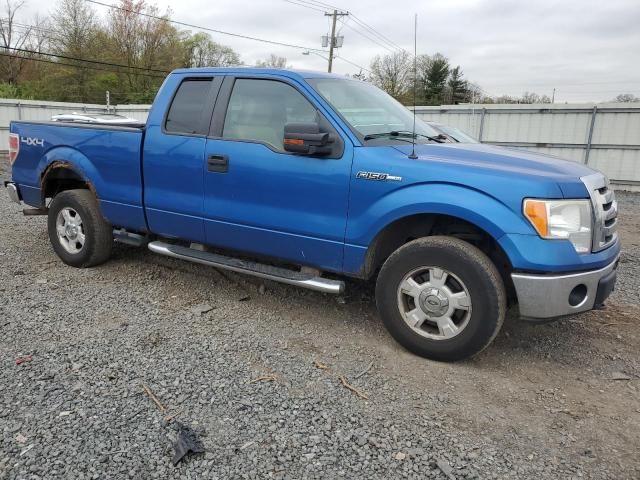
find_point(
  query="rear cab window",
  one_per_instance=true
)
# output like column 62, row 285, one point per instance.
column 188, row 107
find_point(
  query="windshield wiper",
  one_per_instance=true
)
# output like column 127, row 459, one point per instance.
column 403, row 134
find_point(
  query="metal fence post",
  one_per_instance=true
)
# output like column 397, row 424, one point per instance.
column 587, row 150
column 19, row 111
column 484, row 111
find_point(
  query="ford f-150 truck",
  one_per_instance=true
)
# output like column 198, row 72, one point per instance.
column 305, row 178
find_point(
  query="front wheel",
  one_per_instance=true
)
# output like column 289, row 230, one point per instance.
column 441, row 298
column 78, row 233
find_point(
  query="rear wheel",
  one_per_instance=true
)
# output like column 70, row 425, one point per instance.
column 79, row 234
column 441, row 298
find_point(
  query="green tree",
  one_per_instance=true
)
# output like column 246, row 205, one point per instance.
column 435, row 79
column 457, row 87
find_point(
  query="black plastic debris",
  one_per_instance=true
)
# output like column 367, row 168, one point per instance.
column 186, row 441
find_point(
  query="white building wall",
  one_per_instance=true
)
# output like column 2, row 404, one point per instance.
column 605, row 136
column 38, row 110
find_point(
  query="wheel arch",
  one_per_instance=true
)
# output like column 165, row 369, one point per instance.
column 65, row 168
column 61, row 175
column 410, row 227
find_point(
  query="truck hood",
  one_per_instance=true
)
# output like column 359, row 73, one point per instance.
column 506, row 162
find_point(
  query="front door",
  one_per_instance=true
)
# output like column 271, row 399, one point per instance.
column 259, row 198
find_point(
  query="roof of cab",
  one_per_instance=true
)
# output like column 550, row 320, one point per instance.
column 283, row 72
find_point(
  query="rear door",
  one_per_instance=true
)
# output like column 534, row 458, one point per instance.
column 173, row 157
column 259, row 198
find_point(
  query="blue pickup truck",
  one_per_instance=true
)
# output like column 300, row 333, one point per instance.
column 306, row 178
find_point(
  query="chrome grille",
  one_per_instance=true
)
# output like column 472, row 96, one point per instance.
column 605, row 211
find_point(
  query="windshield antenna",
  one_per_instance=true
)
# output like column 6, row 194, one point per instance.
column 413, row 155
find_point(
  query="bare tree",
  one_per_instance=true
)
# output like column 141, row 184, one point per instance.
column 274, row 61
column 14, row 37
column 392, row 73
column 75, row 31
column 627, row 98
column 144, row 39
column 360, row 76
column 41, row 34
column 204, row 52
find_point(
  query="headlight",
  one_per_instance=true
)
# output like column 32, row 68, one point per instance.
column 561, row 219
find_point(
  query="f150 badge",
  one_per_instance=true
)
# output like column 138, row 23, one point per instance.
column 381, row 177
column 33, row 141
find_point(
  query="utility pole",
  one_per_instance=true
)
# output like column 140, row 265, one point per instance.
column 333, row 40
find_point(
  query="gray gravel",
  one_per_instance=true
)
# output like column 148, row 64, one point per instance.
column 628, row 286
column 236, row 359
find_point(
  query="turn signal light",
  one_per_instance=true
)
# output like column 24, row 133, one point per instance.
column 536, row 212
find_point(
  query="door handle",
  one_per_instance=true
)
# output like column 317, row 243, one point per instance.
column 218, row 163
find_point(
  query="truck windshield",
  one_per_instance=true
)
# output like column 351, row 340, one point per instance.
column 369, row 111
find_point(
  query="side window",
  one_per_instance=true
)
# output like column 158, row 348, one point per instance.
column 259, row 109
column 188, row 105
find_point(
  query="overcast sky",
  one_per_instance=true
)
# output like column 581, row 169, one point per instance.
column 589, row 50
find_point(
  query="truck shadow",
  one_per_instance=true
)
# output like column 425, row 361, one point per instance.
column 568, row 342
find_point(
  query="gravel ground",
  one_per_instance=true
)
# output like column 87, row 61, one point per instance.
column 254, row 368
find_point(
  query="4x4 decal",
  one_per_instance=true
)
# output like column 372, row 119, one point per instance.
column 32, row 141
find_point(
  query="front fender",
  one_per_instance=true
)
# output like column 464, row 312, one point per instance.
column 474, row 206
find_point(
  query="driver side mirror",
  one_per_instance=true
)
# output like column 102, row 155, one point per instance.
column 306, row 139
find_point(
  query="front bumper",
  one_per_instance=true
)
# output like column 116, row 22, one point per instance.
column 12, row 190
column 543, row 297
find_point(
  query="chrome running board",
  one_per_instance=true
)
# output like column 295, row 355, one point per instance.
column 306, row 279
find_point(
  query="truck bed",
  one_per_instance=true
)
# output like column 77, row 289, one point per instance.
column 108, row 156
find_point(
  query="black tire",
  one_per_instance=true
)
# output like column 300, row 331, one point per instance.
column 98, row 233
column 477, row 273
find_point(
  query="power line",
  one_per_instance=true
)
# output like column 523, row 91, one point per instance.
column 97, row 62
column 368, row 38
column 325, row 5
column 352, row 63
column 86, row 67
column 110, row 64
column 358, row 20
column 27, row 27
column 374, row 31
column 304, row 3
column 368, row 32
column 190, row 25
column 300, row 4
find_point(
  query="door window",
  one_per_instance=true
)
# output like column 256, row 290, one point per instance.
column 259, row 109
column 188, row 106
